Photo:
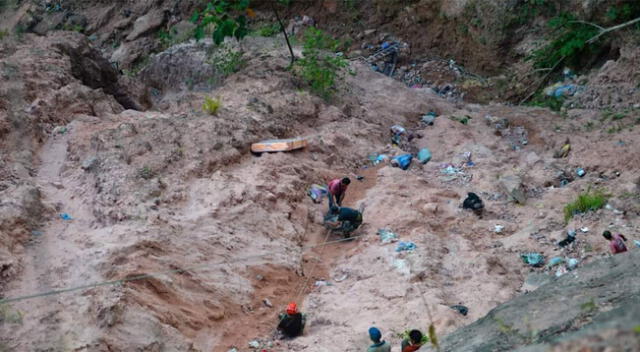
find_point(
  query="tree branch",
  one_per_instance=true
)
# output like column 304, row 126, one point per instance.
column 604, row 31
column 589, row 24
column 284, row 31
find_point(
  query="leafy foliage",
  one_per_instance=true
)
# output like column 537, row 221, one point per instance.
column 226, row 61
column 570, row 42
column 211, row 105
column 224, row 18
column 545, row 101
column 320, row 69
column 586, row 201
column 269, row 30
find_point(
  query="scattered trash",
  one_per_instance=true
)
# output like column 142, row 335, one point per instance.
column 498, row 228
column 473, row 202
column 584, row 229
column 424, row 155
column 359, row 178
column 89, row 163
column 397, row 132
column 429, row 118
column 320, row 283
column 405, row 246
column 60, row 130
column 254, row 344
column 402, row 161
column 571, row 236
column 377, row 159
column 564, row 151
column 317, row 192
column 468, row 161
column 36, row 233
column 559, row 90
column 386, row 236
column 580, row 172
column 461, row 309
column 233, row 350
column 561, row 271
column 401, row 266
column 533, row 259
column 451, row 170
column 279, row 145
column 267, row 302
column 341, row 278
column 555, row 261
column 65, row 216
column 637, row 243
column 572, row 263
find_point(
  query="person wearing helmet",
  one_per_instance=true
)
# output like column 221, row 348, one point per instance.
column 292, row 322
column 337, row 190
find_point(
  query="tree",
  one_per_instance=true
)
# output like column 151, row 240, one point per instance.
column 228, row 18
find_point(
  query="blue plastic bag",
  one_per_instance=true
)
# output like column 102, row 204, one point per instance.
column 533, row 259
column 65, row 216
column 424, row 155
column 402, row 161
column 405, row 246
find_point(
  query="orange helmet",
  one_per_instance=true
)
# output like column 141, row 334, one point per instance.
column 292, row 308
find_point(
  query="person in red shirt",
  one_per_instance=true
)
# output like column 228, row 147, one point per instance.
column 616, row 243
column 337, row 190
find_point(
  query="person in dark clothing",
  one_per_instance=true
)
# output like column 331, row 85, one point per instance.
column 349, row 219
column 413, row 343
column 474, row 203
column 292, row 323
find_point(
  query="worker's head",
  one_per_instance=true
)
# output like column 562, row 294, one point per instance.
column 415, row 336
column 292, row 308
column 345, row 181
column 607, row 235
column 375, row 334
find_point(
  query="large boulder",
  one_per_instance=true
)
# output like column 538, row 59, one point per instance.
column 146, row 24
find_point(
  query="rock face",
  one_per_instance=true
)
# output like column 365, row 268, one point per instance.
column 580, row 309
column 146, row 24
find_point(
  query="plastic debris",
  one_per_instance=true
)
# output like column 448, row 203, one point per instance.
column 36, row 233
column 60, row 130
column 555, row 261
column 386, row 236
column 397, row 132
column 377, row 159
column 405, row 246
column 584, row 229
column 233, row 350
column 560, row 90
column 561, row 271
column 498, row 228
column 533, row 259
column 461, row 309
column 320, row 283
column 637, row 243
column 450, row 170
column 580, row 172
column 402, row 161
column 341, row 278
column 360, row 178
column 65, row 216
column 424, row 155
column 401, row 266
column 571, row 236
column 254, row 344
column 317, row 192
column 468, row 161
column 267, row 302
column 572, row 263
column 429, row 118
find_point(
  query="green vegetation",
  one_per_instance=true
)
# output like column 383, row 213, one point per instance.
column 3, row 34
column 211, row 105
column 589, row 307
column 320, row 69
column 587, row 201
column 405, row 336
column 222, row 18
column 73, row 28
column 226, row 61
column 637, row 329
column 462, row 119
column 545, row 101
column 146, row 173
column 10, row 315
column 268, row 30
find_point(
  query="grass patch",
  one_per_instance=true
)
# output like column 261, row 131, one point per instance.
column 544, row 101
column 226, row 61
column 268, row 30
column 146, row 173
column 587, row 201
column 10, row 315
column 211, row 105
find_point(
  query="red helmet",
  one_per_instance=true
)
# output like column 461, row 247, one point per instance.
column 292, row 308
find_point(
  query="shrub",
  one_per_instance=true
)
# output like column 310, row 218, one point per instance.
column 318, row 69
column 146, row 173
column 269, row 30
column 545, row 101
column 211, row 105
column 586, row 201
column 226, row 61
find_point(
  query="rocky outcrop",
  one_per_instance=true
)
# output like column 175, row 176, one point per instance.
column 593, row 307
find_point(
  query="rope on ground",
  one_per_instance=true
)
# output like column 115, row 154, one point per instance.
column 306, row 282
column 154, row 274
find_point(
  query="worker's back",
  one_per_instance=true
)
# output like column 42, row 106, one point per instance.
column 291, row 325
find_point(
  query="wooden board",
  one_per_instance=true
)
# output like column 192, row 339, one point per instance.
column 279, row 145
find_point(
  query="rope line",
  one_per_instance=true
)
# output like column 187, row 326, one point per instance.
column 155, row 274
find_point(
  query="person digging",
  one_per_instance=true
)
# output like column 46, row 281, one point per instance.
column 292, row 322
column 337, row 189
column 616, row 242
column 343, row 220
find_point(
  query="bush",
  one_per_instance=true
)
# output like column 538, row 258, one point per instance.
column 211, row 105
column 226, row 61
column 586, row 201
column 146, row 173
column 318, row 69
column 269, row 30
